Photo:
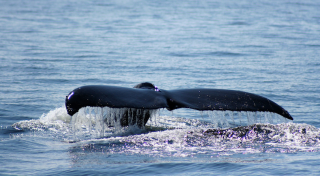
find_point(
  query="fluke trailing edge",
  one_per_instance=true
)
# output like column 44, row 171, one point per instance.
column 146, row 96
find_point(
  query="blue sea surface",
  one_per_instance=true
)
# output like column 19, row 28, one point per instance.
column 48, row 48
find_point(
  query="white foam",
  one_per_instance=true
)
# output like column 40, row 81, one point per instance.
column 56, row 119
column 55, row 115
column 97, row 122
column 176, row 136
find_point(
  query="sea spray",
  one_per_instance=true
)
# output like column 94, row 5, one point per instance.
column 98, row 122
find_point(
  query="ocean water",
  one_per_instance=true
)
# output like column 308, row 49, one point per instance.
column 48, row 48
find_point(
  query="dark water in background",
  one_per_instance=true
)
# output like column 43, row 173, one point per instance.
column 48, row 48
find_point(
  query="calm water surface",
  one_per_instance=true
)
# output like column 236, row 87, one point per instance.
column 48, row 48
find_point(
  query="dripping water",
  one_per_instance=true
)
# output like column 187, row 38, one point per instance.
column 229, row 119
column 98, row 122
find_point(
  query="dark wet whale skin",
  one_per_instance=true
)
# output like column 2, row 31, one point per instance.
column 146, row 96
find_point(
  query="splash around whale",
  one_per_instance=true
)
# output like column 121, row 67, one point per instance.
column 140, row 101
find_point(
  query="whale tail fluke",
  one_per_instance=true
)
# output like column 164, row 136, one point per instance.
column 146, row 96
